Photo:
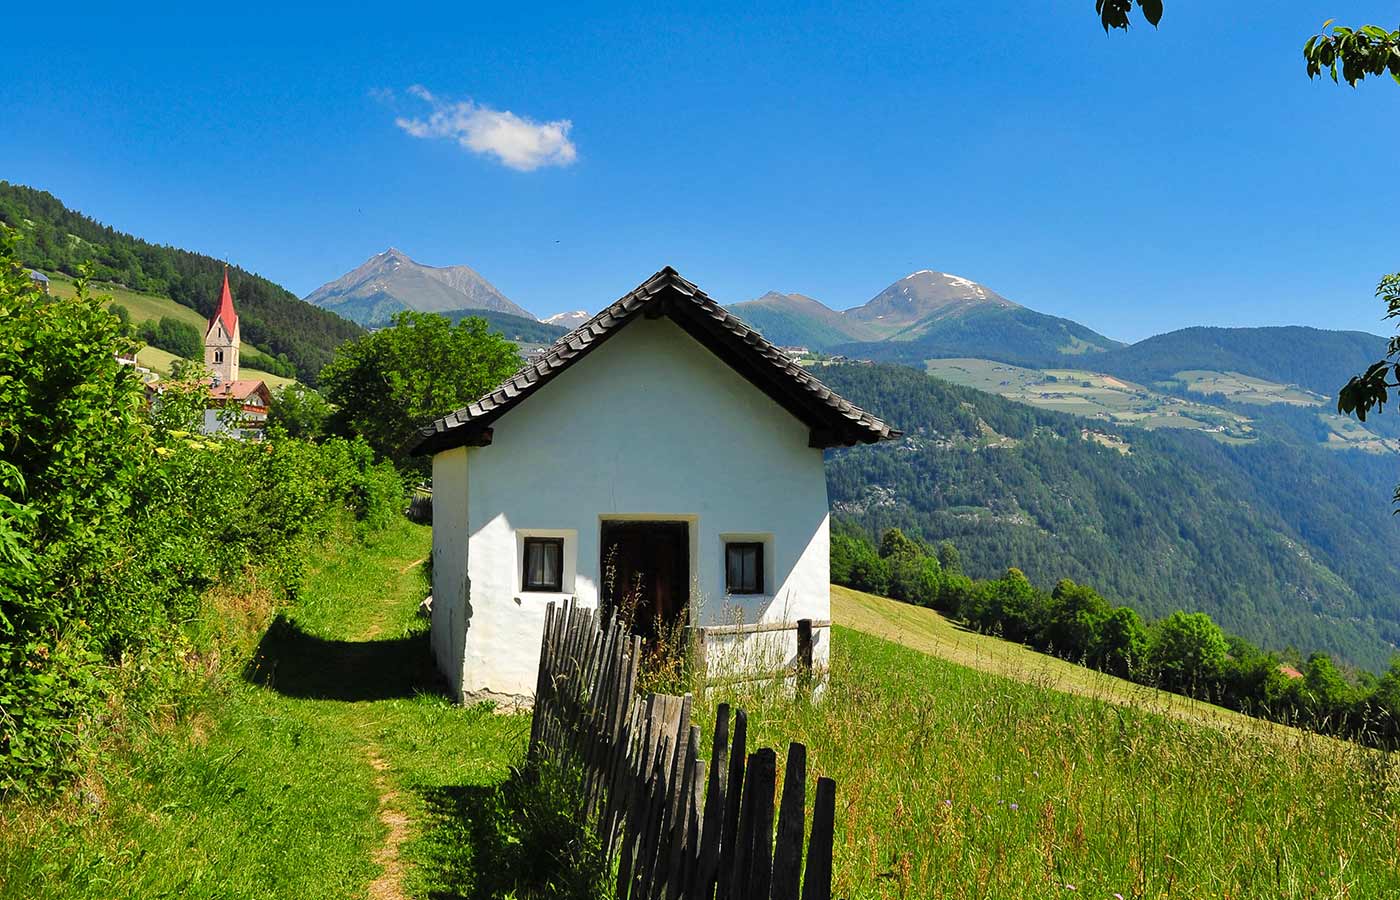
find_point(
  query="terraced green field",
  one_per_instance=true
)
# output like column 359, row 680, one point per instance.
column 1246, row 389
column 1093, row 395
column 1096, row 395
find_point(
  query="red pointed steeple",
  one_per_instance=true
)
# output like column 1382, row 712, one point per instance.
column 225, row 309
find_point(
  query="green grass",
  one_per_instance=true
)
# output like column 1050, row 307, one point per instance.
column 928, row 632
column 143, row 307
column 287, row 782
column 954, row 782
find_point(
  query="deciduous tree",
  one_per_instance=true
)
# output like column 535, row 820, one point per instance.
column 388, row 384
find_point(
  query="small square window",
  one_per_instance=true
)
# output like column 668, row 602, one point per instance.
column 743, row 568
column 544, row 565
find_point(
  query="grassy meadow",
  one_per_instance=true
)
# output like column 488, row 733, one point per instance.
column 1091, row 394
column 955, row 782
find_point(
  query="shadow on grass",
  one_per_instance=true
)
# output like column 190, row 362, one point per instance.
column 520, row 838
column 297, row 664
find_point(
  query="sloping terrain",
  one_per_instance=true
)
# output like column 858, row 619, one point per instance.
column 1278, row 540
column 929, row 632
column 924, row 315
column 1318, row 360
column 955, row 780
column 150, row 308
column 54, row 238
column 795, row 320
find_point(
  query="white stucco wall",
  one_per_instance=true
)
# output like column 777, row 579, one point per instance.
column 449, row 562
column 650, row 425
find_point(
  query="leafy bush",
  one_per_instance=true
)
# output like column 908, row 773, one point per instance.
column 298, row 410
column 116, row 516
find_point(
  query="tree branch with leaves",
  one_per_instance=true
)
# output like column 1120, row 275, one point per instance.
column 1349, row 54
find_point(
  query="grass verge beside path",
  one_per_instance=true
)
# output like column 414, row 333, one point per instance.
column 309, row 775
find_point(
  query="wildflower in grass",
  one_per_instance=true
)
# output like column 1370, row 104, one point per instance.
column 1015, row 806
column 947, row 802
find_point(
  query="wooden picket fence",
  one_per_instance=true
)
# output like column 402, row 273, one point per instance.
column 675, row 830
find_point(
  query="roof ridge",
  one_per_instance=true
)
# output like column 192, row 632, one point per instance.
column 773, row 371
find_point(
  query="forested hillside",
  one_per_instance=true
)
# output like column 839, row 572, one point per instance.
column 1314, row 358
column 1282, row 542
column 55, row 238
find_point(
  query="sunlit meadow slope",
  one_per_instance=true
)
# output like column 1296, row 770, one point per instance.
column 959, row 783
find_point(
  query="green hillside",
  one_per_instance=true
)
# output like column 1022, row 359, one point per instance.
column 54, row 238
column 151, row 308
column 1312, row 358
column 793, row 320
column 514, row 328
column 1278, row 540
column 957, row 778
column 1006, row 334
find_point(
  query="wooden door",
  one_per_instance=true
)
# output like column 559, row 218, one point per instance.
column 646, row 574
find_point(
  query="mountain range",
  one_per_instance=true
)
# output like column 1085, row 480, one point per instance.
column 924, row 315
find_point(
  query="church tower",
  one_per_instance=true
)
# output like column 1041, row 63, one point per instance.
column 221, row 339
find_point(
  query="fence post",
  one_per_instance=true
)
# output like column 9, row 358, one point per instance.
column 804, row 657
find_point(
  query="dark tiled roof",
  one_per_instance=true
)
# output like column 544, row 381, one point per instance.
column 834, row 421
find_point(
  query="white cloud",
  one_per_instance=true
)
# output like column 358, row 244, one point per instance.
column 516, row 141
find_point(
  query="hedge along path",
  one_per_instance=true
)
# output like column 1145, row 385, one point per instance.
column 674, row 831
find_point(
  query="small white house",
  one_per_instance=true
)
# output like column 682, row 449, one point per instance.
column 662, row 456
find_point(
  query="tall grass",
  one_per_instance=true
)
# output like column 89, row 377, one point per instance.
column 954, row 783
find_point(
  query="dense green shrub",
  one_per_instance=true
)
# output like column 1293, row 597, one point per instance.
column 116, row 516
column 298, row 410
column 276, row 365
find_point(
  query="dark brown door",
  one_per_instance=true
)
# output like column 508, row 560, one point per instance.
column 646, row 574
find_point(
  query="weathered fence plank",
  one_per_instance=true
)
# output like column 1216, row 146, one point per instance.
column 679, row 829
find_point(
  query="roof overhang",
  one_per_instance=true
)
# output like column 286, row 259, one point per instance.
column 834, row 421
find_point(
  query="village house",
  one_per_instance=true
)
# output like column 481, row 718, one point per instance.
column 236, row 406
column 41, row 281
column 662, row 459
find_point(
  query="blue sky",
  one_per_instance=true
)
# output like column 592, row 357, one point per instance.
column 1135, row 182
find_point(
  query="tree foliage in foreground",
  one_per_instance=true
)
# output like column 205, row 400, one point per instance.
column 1369, row 50
column 117, row 518
column 388, row 384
